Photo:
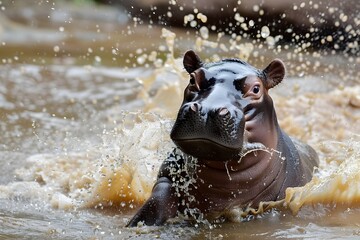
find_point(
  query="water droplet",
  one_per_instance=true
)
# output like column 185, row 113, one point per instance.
column 56, row 48
column 193, row 23
column 251, row 23
column 239, row 18
column 202, row 17
column 343, row 17
column 188, row 18
column 204, row 32
column 265, row 32
column 270, row 41
column 140, row 60
column 97, row 59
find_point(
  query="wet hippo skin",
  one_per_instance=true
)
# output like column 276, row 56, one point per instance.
column 227, row 122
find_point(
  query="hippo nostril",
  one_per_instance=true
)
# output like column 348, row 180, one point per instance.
column 195, row 107
column 223, row 111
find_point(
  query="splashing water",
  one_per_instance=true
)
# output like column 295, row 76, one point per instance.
column 338, row 186
column 117, row 173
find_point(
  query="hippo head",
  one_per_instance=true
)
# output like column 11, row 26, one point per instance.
column 226, row 107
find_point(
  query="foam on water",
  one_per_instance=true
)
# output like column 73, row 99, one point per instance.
column 120, row 172
column 337, row 185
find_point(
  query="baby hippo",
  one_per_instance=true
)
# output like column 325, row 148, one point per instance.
column 231, row 151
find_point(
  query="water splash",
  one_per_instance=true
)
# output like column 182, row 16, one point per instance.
column 122, row 170
column 336, row 186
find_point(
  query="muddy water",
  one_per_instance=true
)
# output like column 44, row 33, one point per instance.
column 86, row 105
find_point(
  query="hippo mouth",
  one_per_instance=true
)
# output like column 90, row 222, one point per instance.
column 207, row 149
column 214, row 134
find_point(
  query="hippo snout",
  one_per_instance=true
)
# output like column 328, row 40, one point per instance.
column 213, row 134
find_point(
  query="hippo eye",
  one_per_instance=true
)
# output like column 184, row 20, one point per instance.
column 256, row 89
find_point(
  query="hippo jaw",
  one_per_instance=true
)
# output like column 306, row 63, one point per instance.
column 209, row 134
column 207, row 149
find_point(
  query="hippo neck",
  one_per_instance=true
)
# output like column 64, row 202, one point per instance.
column 257, row 163
column 262, row 181
column 261, row 170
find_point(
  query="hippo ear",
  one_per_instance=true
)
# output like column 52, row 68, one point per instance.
column 191, row 61
column 274, row 73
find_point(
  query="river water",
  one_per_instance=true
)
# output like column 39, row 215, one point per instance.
column 87, row 99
